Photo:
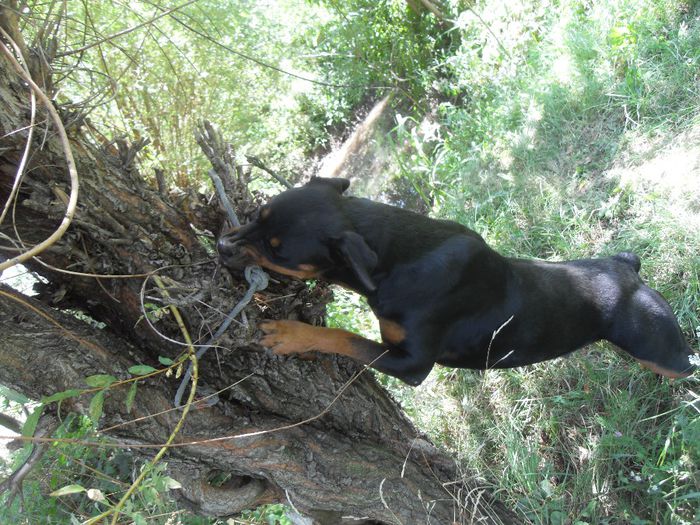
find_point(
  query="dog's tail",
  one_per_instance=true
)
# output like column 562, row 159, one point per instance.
column 629, row 258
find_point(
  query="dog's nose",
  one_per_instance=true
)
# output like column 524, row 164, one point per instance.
column 230, row 252
column 226, row 245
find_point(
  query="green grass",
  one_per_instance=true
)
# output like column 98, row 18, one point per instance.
column 575, row 133
column 574, row 436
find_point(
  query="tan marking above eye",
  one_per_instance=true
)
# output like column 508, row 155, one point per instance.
column 275, row 242
column 265, row 213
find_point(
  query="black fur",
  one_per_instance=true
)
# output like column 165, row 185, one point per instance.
column 459, row 302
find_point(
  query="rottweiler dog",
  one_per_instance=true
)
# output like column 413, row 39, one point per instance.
column 442, row 295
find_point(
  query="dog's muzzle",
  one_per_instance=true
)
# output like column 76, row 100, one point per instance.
column 232, row 252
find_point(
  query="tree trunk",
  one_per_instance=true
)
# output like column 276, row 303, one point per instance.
column 360, row 458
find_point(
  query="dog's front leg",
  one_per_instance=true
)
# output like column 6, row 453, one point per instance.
column 293, row 337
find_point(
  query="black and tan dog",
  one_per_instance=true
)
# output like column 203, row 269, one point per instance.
column 442, row 295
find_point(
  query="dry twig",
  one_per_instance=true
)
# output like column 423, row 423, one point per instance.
column 73, row 199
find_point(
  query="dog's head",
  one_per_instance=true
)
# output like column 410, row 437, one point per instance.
column 304, row 233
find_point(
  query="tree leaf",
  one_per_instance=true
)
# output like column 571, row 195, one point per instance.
column 100, row 380
column 166, row 361
column 68, row 489
column 96, row 406
column 141, row 370
column 13, row 396
column 130, row 396
column 60, row 396
column 171, row 483
column 138, row 518
column 30, row 424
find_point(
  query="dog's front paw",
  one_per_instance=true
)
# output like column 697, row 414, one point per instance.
column 287, row 337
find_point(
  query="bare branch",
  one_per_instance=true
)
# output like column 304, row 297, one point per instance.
column 125, row 31
column 255, row 161
column 45, row 427
column 73, row 199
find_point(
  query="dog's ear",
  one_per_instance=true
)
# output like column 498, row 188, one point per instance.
column 338, row 184
column 358, row 256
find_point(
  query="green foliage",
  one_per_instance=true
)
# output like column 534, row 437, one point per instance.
column 81, row 479
column 351, row 312
column 214, row 60
column 553, row 119
column 131, row 396
column 267, row 515
column 277, row 79
column 139, row 370
column 100, row 380
column 74, row 481
column 583, row 437
column 367, row 48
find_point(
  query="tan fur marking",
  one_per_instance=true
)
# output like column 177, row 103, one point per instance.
column 662, row 371
column 304, row 271
column 392, row 332
column 293, row 337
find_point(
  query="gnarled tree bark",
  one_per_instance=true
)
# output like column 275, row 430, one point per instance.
column 361, row 459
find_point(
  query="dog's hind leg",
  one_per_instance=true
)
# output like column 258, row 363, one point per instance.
column 645, row 327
